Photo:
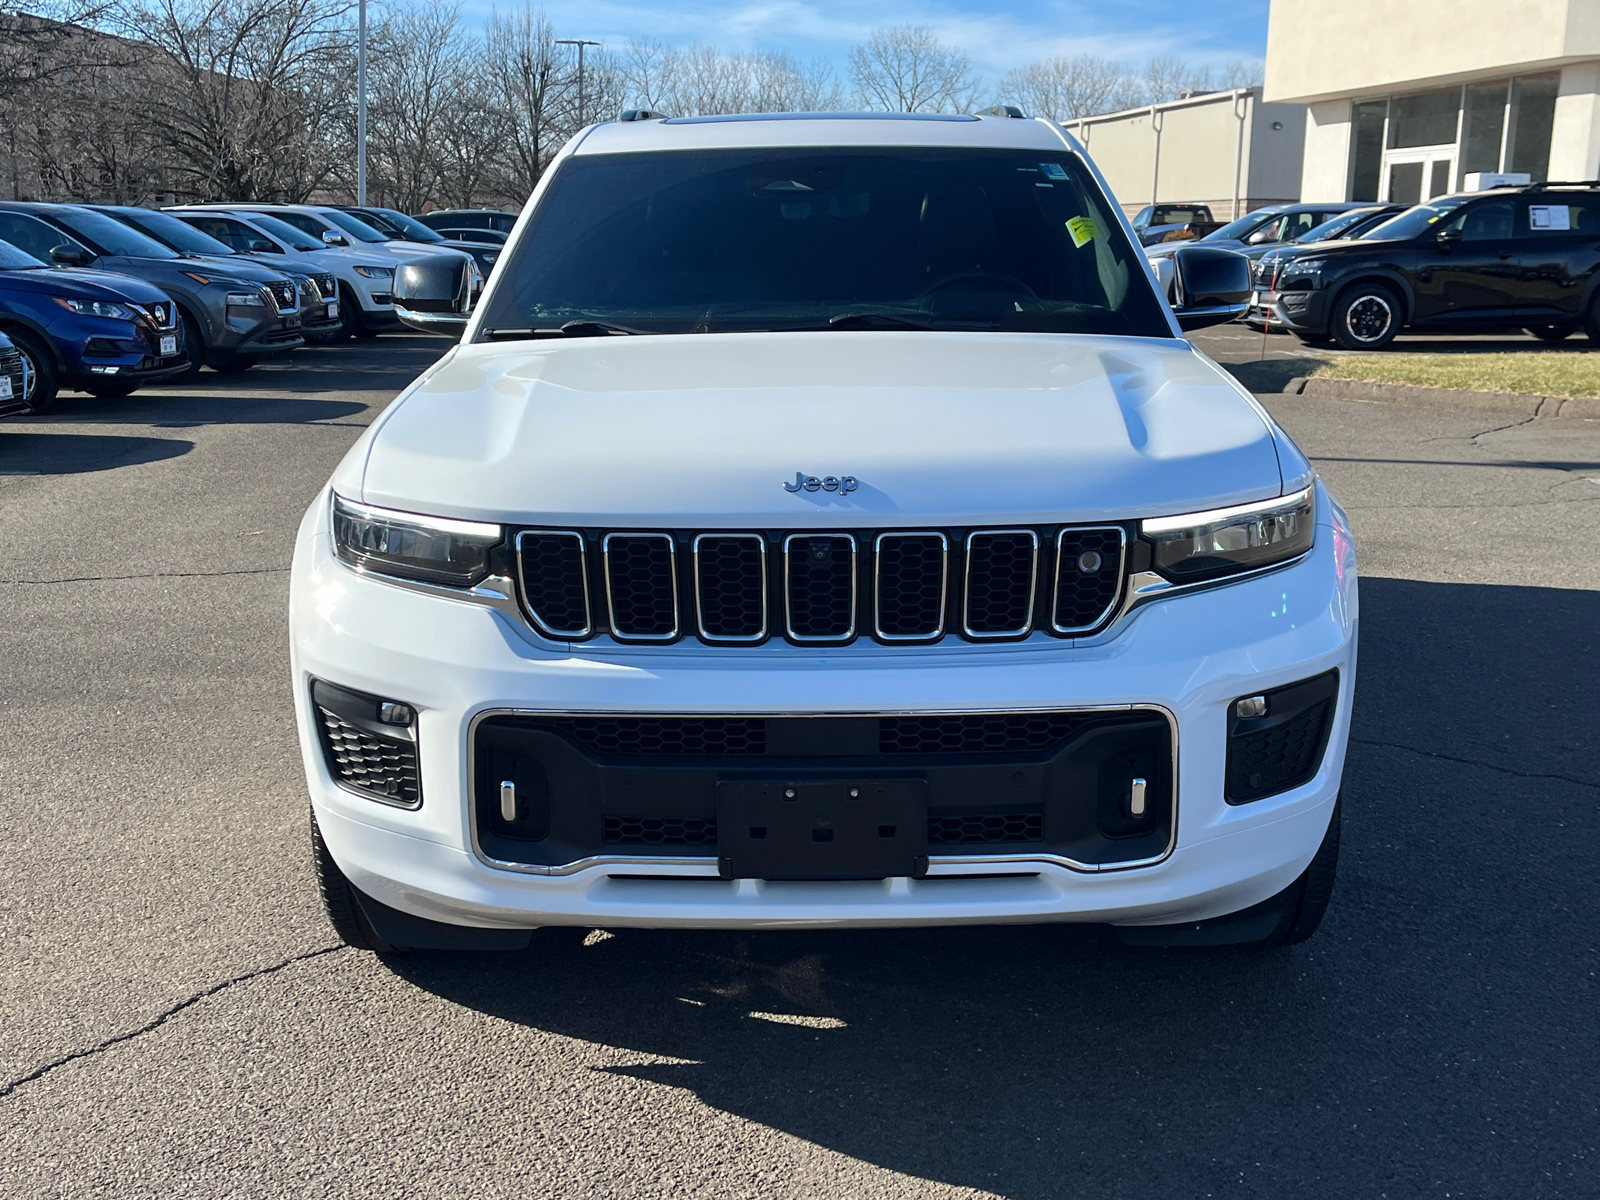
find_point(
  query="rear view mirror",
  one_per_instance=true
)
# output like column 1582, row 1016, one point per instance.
column 433, row 295
column 69, row 256
column 1209, row 286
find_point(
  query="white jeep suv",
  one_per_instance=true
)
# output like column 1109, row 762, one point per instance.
column 823, row 521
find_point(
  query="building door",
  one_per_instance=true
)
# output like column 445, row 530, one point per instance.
column 1414, row 175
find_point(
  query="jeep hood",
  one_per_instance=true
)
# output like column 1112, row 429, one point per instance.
column 704, row 430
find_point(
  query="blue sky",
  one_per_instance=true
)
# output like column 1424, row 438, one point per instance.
column 997, row 36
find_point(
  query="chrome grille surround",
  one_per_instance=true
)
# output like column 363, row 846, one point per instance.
column 1025, row 626
column 938, row 629
column 619, row 545
column 525, row 540
column 760, row 635
column 1116, row 591
column 789, row 584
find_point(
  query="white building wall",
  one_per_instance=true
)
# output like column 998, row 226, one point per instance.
column 1326, row 172
column 1575, row 136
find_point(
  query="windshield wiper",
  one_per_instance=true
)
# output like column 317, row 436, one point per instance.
column 879, row 320
column 570, row 329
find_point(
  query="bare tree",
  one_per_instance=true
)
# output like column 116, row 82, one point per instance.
column 416, row 60
column 527, row 73
column 1243, row 73
column 1065, row 89
column 908, row 69
column 700, row 80
column 241, row 77
column 1167, row 78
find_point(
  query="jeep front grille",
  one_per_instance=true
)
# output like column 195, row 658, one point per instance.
column 823, row 588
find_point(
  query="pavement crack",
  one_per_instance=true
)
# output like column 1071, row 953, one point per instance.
column 1474, row 762
column 163, row 1017
column 151, row 575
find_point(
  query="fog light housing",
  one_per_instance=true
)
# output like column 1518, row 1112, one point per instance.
column 369, row 744
column 1276, row 739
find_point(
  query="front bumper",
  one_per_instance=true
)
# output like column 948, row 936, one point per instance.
column 1188, row 656
column 1298, row 311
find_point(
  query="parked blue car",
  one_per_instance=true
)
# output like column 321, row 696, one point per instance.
column 99, row 333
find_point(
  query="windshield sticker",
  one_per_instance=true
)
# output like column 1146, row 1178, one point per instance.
column 1082, row 230
column 1053, row 170
column 1549, row 218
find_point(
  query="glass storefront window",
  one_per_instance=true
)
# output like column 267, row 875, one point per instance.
column 1485, row 122
column 1533, row 116
column 1368, row 149
column 1425, row 120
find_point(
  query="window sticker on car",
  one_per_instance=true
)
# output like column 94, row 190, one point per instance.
column 1549, row 218
column 1082, row 230
column 1054, row 170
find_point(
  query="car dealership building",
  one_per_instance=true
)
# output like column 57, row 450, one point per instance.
column 1405, row 101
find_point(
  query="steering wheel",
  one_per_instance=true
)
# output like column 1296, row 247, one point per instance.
column 943, row 283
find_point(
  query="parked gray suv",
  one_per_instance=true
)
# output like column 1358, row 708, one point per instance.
column 232, row 314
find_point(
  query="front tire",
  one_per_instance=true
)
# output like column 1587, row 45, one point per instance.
column 44, row 381
column 1552, row 333
column 194, row 345
column 1365, row 317
column 339, row 899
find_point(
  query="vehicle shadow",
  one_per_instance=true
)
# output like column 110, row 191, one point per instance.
column 180, row 410
column 1272, row 374
column 1426, row 1040
column 23, row 453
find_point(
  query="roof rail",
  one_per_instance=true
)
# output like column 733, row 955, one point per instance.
column 641, row 114
column 1004, row 110
column 1555, row 183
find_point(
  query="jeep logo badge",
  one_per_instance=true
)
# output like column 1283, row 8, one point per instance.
column 843, row 484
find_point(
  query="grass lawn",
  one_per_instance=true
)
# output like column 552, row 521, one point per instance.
column 1533, row 372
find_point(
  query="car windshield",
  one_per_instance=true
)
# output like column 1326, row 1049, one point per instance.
column 355, row 227
column 708, row 241
column 1414, row 220
column 286, row 232
column 12, row 259
column 109, row 236
column 1335, row 226
column 170, row 231
column 408, row 227
column 1238, row 229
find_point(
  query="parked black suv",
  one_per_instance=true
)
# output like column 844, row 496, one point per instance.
column 1512, row 258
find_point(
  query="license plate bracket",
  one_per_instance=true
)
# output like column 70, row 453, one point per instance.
column 169, row 346
column 822, row 829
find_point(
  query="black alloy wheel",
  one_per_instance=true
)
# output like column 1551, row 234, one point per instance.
column 1552, row 333
column 41, row 382
column 194, row 345
column 108, row 387
column 1365, row 317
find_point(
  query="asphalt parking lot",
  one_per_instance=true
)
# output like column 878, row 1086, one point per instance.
column 176, row 1018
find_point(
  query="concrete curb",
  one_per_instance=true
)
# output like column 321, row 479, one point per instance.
column 1501, row 403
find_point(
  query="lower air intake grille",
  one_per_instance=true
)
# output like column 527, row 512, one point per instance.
column 993, row 827
column 661, row 831
column 379, row 766
column 666, row 735
column 980, row 733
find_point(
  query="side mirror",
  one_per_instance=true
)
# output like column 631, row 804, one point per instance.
column 262, row 246
column 334, row 239
column 432, row 295
column 1209, row 286
column 69, row 256
column 1447, row 238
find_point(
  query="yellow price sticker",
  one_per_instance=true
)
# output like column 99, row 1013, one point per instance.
column 1082, row 229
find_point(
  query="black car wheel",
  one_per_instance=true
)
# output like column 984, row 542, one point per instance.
column 1552, row 333
column 1366, row 317
column 349, row 314
column 109, row 388
column 41, row 382
column 194, row 345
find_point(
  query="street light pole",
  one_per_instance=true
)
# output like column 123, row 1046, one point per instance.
column 361, row 106
column 580, row 43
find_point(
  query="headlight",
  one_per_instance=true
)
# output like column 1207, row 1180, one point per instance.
column 246, row 300
column 1302, row 268
column 1226, row 541
column 98, row 308
column 429, row 549
column 383, row 273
